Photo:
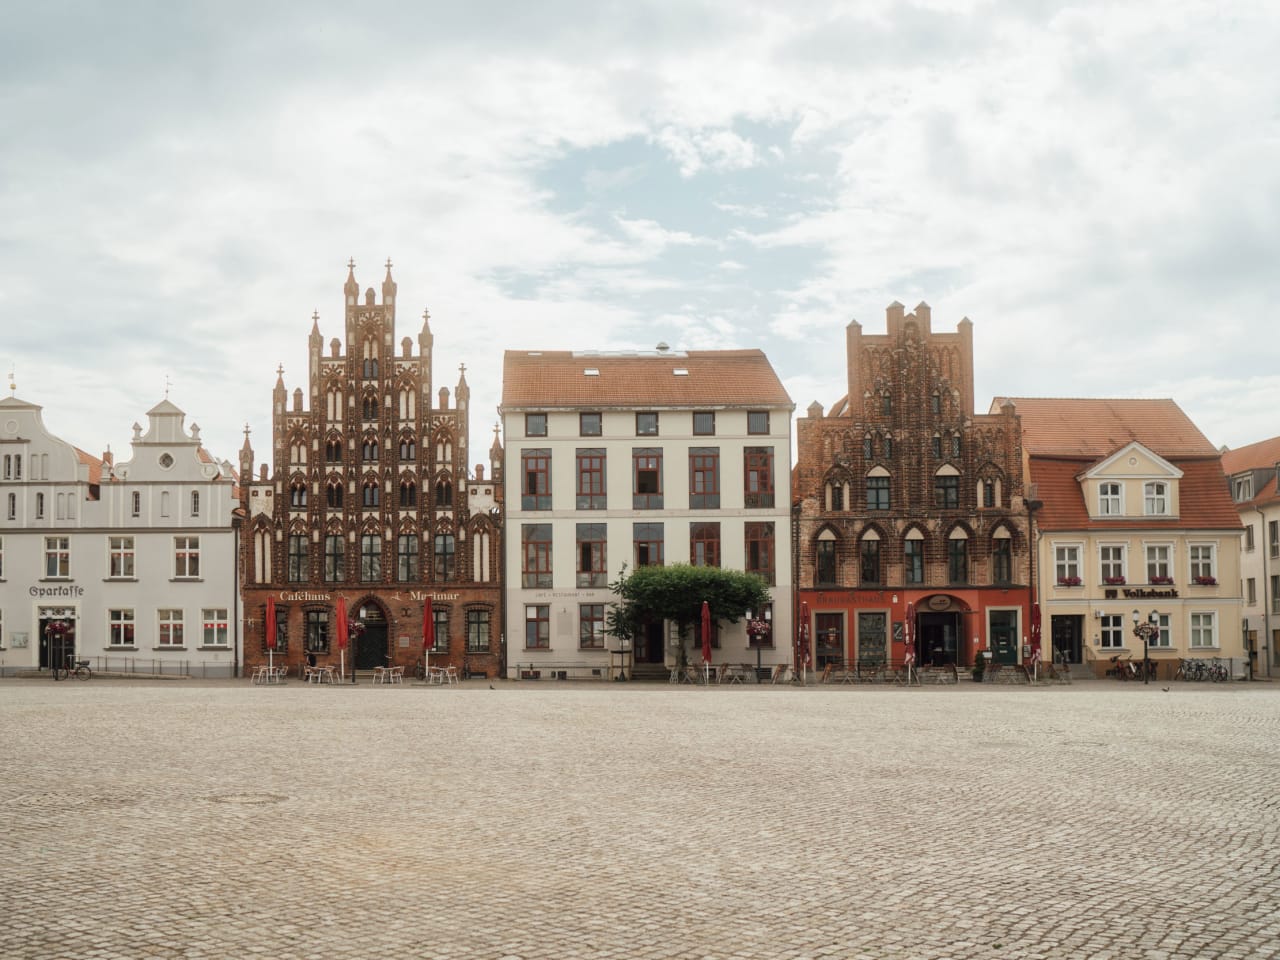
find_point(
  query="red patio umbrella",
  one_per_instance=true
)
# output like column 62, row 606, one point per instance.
column 909, row 656
column 428, row 637
column 706, row 638
column 344, row 634
column 271, row 630
column 802, row 640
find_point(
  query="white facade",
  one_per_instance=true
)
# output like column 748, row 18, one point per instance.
column 557, row 595
column 139, row 557
column 1255, row 488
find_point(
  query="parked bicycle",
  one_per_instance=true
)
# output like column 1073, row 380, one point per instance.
column 73, row 668
column 1125, row 669
column 1193, row 669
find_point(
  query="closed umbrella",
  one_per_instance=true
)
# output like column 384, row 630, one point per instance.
column 271, row 631
column 910, row 657
column 706, row 640
column 428, row 637
column 343, row 636
column 802, row 655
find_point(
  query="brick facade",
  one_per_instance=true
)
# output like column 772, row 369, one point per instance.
column 902, row 465
column 367, row 501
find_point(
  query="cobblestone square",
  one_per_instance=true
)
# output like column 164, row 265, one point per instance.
column 220, row 820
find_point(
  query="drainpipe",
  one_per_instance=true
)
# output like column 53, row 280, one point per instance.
column 1266, row 596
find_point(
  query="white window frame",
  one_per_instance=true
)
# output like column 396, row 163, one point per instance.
column 1167, row 562
column 1111, row 631
column 121, row 548
column 1118, row 567
column 1066, row 562
column 214, row 627
column 57, row 558
column 186, row 558
column 1200, row 564
column 1202, row 622
column 1165, row 640
column 118, row 620
column 170, row 629
column 1155, row 498
column 1107, row 501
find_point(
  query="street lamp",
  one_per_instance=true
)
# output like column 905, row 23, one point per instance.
column 758, row 631
column 1146, row 630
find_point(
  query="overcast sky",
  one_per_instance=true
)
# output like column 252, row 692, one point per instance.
column 1095, row 185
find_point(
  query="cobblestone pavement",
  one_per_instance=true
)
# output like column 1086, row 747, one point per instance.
column 220, row 820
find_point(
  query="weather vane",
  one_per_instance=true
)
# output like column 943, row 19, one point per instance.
column 167, row 384
column 13, row 387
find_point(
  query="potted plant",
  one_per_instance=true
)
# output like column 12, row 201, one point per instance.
column 1207, row 581
column 1113, row 581
column 1161, row 579
column 1069, row 581
column 979, row 665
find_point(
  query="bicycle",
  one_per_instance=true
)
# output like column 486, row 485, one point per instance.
column 73, row 668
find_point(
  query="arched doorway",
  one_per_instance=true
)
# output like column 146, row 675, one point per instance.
column 371, row 646
column 940, row 628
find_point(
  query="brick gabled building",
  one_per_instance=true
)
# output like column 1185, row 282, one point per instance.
column 909, row 507
column 367, row 501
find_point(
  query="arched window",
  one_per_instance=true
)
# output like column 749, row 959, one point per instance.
column 946, row 488
column 868, row 447
column 408, row 449
column 371, row 493
column 1001, row 556
column 333, row 450
column 958, row 556
column 444, row 494
column 955, row 445
column 298, row 493
column 835, row 496
column 369, row 366
column 913, row 556
column 444, row 450
column 869, row 558
column 369, row 450
column 878, row 497
column 480, row 551
column 262, row 555
column 408, row 404
column 408, row 494
column 333, row 493
column 369, row 407
column 825, row 560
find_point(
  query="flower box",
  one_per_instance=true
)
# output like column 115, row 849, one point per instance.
column 1162, row 579
column 1113, row 581
column 1206, row 581
column 1069, row 581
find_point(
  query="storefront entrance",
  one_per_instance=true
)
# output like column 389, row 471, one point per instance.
column 55, row 647
column 649, row 643
column 371, row 646
column 1004, row 636
column 1066, row 633
column 872, row 634
column 938, row 639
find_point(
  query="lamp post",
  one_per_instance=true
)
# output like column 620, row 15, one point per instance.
column 1146, row 630
column 758, row 631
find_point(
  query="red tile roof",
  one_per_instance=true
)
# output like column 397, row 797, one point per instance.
column 1264, row 454
column 92, row 462
column 1202, row 496
column 556, row 378
column 1095, row 428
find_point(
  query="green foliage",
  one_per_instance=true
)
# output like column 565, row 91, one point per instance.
column 676, row 593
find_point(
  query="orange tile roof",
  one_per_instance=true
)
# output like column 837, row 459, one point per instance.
column 1094, row 428
column 720, row 378
column 1205, row 501
column 92, row 462
column 1264, row 454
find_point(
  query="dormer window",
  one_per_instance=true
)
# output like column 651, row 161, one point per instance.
column 1109, row 500
column 1156, row 498
column 1242, row 487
